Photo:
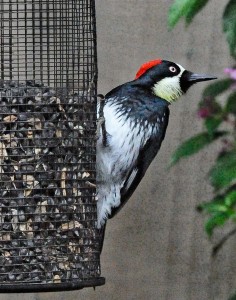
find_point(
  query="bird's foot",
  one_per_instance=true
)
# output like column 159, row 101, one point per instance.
column 101, row 121
column 90, row 184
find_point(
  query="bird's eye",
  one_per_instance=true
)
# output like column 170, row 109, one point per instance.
column 172, row 69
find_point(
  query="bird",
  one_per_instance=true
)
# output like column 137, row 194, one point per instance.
column 135, row 118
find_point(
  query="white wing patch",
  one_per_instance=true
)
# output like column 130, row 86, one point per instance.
column 131, row 179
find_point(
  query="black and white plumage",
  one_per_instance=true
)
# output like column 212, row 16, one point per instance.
column 136, row 117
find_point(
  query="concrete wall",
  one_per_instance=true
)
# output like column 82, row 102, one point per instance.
column 156, row 248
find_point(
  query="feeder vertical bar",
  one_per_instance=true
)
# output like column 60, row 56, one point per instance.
column 48, row 41
column 2, row 39
column 26, row 39
column 41, row 38
column 10, row 39
column 17, row 58
column 33, row 40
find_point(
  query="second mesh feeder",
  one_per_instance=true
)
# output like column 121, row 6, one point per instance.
column 48, row 239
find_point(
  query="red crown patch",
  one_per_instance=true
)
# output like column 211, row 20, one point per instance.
column 147, row 66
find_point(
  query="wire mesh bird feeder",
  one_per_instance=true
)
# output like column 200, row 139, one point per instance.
column 48, row 236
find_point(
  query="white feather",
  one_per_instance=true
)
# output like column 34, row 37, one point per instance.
column 115, row 161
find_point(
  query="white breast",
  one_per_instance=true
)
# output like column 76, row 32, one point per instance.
column 115, row 161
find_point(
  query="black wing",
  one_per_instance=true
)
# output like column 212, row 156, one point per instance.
column 146, row 156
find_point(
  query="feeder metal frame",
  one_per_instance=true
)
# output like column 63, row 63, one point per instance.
column 48, row 88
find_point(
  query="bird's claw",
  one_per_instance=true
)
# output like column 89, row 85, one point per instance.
column 101, row 121
column 90, row 184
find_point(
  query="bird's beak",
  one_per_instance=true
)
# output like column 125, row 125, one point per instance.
column 193, row 77
column 189, row 78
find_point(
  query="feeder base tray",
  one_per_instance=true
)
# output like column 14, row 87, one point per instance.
column 51, row 287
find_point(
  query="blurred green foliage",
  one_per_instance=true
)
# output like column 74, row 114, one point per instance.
column 219, row 122
column 184, row 8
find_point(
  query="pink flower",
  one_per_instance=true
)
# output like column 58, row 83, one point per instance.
column 203, row 112
column 233, row 86
column 231, row 72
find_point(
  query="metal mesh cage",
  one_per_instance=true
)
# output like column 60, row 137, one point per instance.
column 47, row 145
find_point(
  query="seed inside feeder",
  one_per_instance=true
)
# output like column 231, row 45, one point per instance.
column 47, row 217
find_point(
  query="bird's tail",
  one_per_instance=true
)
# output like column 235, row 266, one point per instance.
column 101, row 237
column 108, row 197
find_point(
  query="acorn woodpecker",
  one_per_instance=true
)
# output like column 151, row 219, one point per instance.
column 136, row 117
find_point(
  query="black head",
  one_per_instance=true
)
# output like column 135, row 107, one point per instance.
column 168, row 80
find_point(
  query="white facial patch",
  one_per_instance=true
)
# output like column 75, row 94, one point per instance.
column 169, row 88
